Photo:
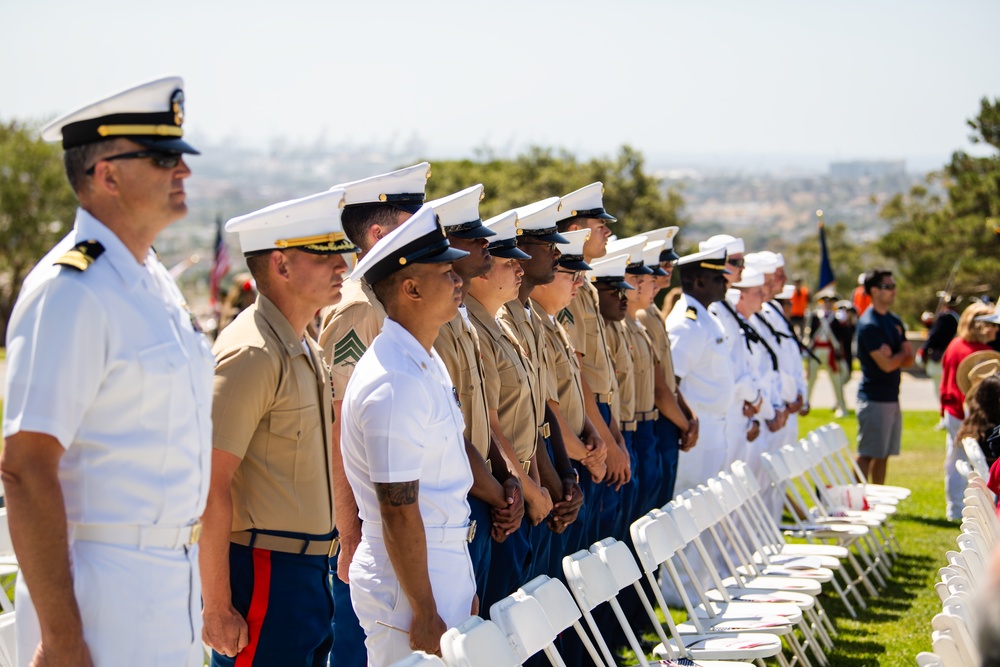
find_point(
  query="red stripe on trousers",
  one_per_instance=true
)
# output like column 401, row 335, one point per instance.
column 258, row 605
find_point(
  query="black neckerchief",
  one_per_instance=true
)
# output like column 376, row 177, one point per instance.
column 779, row 334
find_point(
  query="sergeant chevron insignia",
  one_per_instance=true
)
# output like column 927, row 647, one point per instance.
column 81, row 256
column 348, row 350
column 565, row 317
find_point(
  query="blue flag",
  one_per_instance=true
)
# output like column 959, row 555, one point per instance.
column 826, row 278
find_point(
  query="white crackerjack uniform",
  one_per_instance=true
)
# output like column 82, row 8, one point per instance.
column 402, row 422
column 109, row 362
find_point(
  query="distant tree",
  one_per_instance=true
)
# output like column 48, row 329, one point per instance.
column 847, row 258
column 36, row 207
column 931, row 234
column 631, row 195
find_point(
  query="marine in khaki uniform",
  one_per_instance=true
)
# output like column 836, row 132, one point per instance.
column 510, row 397
column 676, row 426
column 608, row 276
column 495, row 501
column 584, row 209
column 269, row 520
column 538, row 238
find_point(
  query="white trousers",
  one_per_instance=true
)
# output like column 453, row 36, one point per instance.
column 138, row 607
column 954, row 483
column 736, row 435
column 377, row 596
column 706, row 458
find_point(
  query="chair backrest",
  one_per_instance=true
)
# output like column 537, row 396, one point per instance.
column 976, row 457
column 556, row 601
column 963, row 468
column 619, row 560
column 477, row 643
column 588, row 579
column 8, row 640
column 6, row 545
column 521, row 618
column 420, row 659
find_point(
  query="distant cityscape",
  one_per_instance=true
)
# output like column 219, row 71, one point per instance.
column 765, row 207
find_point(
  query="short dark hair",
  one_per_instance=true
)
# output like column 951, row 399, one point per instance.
column 386, row 290
column 79, row 159
column 874, row 278
column 257, row 266
column 357, row 219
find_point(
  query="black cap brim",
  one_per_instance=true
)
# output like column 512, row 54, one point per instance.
column 642, row 270
column 669, row 256
column 166, row 145
column 509, row 253
column 657, row 271
column 617, row 284
column 480, row 232
column 554, row 237
column 408, row 207
column 575, row 265
column 449, row 255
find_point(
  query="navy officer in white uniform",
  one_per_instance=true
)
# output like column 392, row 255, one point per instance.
column 107, row 422
column 404, row 452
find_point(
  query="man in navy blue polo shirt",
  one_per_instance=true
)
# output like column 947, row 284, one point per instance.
column 882, row 351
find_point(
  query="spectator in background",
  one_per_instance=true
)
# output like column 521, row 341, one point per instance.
column 848, row 319
column 241, row 295
column 942, row 330
column 860, row 297
column 882, row 350
column 825, row 340
column 982, row 413
column 976, row 330
column 800, row 302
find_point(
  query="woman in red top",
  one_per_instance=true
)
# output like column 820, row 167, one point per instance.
column 972, row 336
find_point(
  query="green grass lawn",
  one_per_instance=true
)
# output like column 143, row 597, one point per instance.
column 897, row 625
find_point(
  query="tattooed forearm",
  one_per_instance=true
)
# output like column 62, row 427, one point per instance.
column 397, row 493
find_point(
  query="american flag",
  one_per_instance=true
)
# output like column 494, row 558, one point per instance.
column 220, row 264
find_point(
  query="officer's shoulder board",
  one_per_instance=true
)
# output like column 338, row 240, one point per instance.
column 691, row 313
column 82, row 255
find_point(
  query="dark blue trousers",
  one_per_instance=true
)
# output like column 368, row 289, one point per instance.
column 288, row 606
column 508, row 564
column 649, row 469
column 668, row 443
column 349, row 636
column 481, row 547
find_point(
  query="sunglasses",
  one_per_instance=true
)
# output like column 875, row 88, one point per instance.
column 887, row 286
column 617, row 291
column 160, row 159
column 738, row 263
column 577, row 275
column 548, row 245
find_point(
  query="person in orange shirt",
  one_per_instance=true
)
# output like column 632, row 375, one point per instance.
column 800, row 301
column 860, row 298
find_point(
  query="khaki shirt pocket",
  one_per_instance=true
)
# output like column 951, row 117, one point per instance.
column 291, row 435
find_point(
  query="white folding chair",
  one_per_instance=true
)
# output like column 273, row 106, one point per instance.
column 560, row 609
column 841, row 448
column 477, row 643
column 925, row 659
column 842, row 475
column 976, row 457
column 594, row 583
column 420, row 659
column 964, row 469
column 521, row 618
column 8, row 562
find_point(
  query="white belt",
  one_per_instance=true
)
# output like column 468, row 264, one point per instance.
column 140, row 537
column 433, row 533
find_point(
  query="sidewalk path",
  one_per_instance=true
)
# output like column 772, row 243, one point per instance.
column 915, row 392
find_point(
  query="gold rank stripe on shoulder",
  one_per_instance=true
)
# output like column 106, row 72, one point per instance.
column 691, row 313
column 81, row 256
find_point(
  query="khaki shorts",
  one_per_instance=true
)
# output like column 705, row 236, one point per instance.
column 880, row 429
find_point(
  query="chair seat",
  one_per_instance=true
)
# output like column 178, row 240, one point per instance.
column 820, row 574
column 830, row 550
column 767, row 595
column 804, row 561
column 793, row 585
column 831, row 531
column 776, row 626
column 746, row 646
column 731, row 611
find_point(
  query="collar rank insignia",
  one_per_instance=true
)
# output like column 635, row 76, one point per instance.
column 81, row 256
column 691, row 313
column 454, row 392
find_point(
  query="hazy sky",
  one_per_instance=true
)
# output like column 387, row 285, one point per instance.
column 844, row 79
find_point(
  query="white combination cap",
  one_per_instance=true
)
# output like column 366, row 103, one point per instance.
column 459, row 213
column 733, row 245
column 403, row 188
column 419, row 240
column 504, row 243
column 150, row 114
column 572, row 250
column 713, row 260
column 761, row 261
column 587, row 202
column 611, row 271
column 311, row 224
column 665, row 234
column 631, row 246
column 751, row 278
column 651, row 257
column 538, row 220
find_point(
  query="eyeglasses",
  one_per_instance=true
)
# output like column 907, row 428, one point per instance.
column 738, row 263
column 887, row 286
column 577, row 276
column 160, row 159
column 617, row 291
column 548, row 245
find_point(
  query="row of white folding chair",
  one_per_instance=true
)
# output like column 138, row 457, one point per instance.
column 976, row 457
column 8, row 563
column 7, row 639
column 848, row 535
column 838, row 445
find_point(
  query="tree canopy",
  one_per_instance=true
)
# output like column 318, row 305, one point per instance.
column 933, row 234
column 631, row 195
column 36, row 207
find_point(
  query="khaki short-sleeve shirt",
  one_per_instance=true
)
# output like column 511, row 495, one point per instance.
column 458, row 346
column 585, row 326
column 532, row 341
column 564, row 374
column 272, row 408
column 349, row 328
column 652, row 319
column 620, row 347
column 642, row 366
column 508, row 386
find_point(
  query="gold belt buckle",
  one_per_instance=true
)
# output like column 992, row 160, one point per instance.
column 526, row 466
column 472, row 531
column 195, row 533
column 334, row 546
column 545, row 430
